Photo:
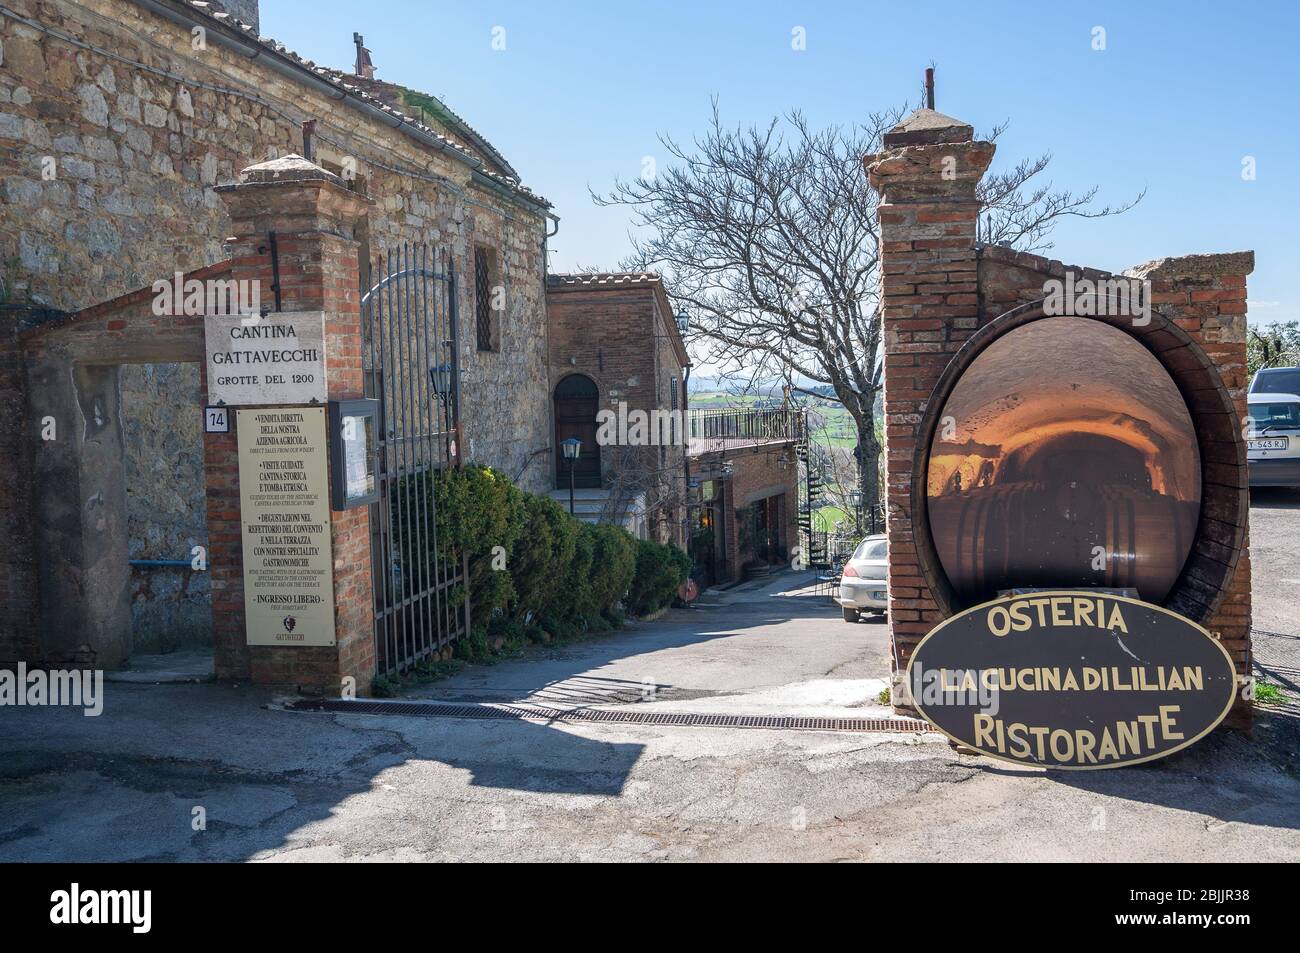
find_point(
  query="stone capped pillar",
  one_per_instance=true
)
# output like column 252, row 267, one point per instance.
column 311, row 214
column 926, row 175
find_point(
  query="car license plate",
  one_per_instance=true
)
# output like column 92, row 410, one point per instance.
column 1268, row 443
column 877, row 595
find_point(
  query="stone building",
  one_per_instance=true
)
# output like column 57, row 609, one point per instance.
column 108, row 166
column 615, row 349
column 118, row 121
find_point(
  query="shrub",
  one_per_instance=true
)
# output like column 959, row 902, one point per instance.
column 575, row 578
column 561, row 576
column 546, row 541
column 659, row 571
column 478, row 510
column 613, row 564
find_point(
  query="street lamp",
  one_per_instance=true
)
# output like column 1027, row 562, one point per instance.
column 683, row 320
column 855, row 500
column 571, row 448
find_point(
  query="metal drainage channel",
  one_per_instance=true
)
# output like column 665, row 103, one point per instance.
column 601, row 716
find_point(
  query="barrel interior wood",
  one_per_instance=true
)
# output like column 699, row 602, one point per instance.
column 1073, row 437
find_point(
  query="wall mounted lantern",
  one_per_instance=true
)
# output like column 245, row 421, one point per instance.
column 440, row 379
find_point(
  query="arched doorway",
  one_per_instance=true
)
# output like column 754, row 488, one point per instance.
column 576, row 401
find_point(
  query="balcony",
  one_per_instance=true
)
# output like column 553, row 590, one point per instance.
column 711, row 431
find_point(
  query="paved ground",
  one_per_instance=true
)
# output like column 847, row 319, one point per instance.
column 1275, row 566
column 764, row 648
column 279, row 785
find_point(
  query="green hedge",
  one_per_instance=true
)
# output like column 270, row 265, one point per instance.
column 561, row 576
column 659, row 571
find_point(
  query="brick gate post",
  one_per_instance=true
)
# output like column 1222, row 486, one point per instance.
column 307, row 215
column 926, row 174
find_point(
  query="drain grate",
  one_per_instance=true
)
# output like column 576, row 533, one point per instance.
column 605, row 716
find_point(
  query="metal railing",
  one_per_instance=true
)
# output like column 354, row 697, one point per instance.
column 709, row 429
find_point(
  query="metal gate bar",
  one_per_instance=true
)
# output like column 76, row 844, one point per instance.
column 409, row 324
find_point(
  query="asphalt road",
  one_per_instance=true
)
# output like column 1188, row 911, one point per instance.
column 1275, row 559
column 1275, row 598
column 276, row 785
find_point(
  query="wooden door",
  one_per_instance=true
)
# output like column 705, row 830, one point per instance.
column 576, row 403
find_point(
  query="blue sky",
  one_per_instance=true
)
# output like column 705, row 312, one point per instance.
column 1182, row 92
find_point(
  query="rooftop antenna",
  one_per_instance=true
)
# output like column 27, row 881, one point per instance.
column 929, row 88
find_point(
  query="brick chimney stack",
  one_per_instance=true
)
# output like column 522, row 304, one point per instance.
column 926, row 175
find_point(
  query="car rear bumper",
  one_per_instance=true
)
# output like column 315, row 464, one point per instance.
column 1275, row 472
column 864, row 594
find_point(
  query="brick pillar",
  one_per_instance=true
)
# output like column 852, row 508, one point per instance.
column 312, row 214
column 926, row 175
column 1205, row 295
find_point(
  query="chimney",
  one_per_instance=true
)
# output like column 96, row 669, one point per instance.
column 364, row 67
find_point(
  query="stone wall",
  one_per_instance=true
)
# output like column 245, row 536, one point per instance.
column 17, row 562
column 79, row 607
column 165, row 504
column 107, row 173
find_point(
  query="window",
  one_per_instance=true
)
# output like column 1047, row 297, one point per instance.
column 672, row 391
column 872, row 549
column 488, row 295
column 1276, row 380
column 1279, row 416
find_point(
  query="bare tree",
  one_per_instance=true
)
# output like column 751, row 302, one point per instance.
column 768, row 236
column 640, row 485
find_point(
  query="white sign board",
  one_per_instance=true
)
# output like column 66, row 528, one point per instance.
column 285, row 516
column 275, row 359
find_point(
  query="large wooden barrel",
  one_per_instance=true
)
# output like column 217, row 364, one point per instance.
column 1030, row 534
column 1148, row 538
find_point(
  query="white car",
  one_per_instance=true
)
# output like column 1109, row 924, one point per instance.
column 862, row 586
column 1276, row 380
column 1273, row 442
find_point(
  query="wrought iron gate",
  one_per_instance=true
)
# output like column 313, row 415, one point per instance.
column 411, row 354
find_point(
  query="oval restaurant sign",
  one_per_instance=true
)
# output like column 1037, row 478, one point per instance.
column 1072, row 679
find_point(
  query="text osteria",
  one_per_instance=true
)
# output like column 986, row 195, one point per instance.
column 1142, row 734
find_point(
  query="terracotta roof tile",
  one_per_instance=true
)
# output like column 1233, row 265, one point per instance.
column 603, row 278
